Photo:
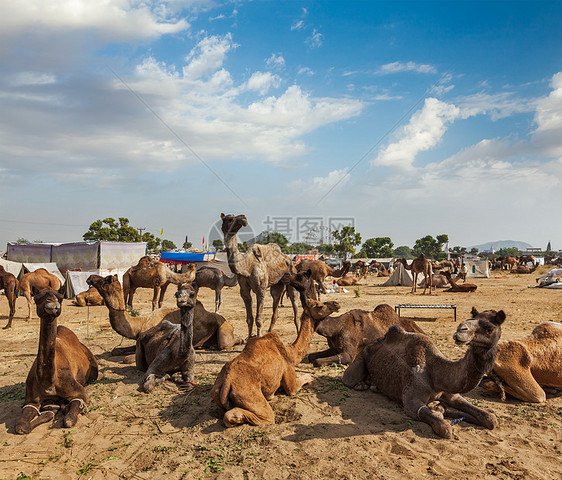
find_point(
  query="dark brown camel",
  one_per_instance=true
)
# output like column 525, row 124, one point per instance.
column 320, row 271
column 455, row 287
column 419, row 265
column 215, row 279
column 9, row 283
column 167, row 349
column 245, row 385
column 58, row 375
column 409, row 369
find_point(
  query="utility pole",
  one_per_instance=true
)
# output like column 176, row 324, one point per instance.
column 140, row 229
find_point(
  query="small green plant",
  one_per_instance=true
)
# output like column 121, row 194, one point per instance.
column 160, row 448
column 86, row 469
column 23, row 476
column 357, row 292
column 67, row 441
column 213, row 465
column 132, row 311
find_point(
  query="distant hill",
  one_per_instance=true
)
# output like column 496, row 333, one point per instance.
column 502, row 244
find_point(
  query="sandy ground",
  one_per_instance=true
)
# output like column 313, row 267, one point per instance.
column 325, row 431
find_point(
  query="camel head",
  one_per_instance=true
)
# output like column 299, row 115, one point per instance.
column 318, row 311
column 109, row 288
column 186, row 296
column 232, row 223
column 49, row 303
column 482, row 330
column 300, row 281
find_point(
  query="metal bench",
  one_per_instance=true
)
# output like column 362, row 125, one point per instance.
column 417, row 305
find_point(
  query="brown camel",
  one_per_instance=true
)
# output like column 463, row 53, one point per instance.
column 522, row 269
column 214, row 278
column 359, row 268
column 246, row 384
column 39, row 279
column 260, row 268
column 455, row 287
column 59, row 373
column 211, row 330
column 419, row 265
column 526, row 365
column 510, row 262
column 89, row 297
column 149, row 273
column 167, row 349
column 409, row 369
column 525, row 259
column 320, row 271
column 349, row 280
column 438, row 280
column 9, row 283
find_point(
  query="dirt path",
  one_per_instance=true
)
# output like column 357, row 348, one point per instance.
column 325, row 431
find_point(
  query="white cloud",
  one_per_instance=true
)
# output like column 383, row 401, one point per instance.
column 319, row 186
column 305, row 71
column 275, row 62
column 114, row 19
column 263, row 81
column 396, row 67
column 424, row 130
column 207, row 56
column 298, row 25
column 315, row 40
column 498, row 105
column 548, row 116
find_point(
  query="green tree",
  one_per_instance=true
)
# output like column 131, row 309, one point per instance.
column 431, row 247
column 474, row 251
column 379, row 247
column 403, row 252
column 300, row 248
column 275, row 237
column 187, row 245
column 152, row 242
column 508, row 252
column 243, row 247
column 218, row 245
column 460, row 250
column 347, row 239
column 326, row 248
column 111, row 230
column 168, row 245
column 360, row 254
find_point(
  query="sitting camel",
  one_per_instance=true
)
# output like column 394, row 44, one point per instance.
column 214, row 278
column 40, row 279
column 149, row 273
column 438, row 280
column 9, row 284
column 320, row 271
column 455, row 287
column 246, row 384
column 409, row 369
column 167, row 348
column 349, row 280
column 524, row 269
column 525, row 365
column 210, row 330
column 89, row 297
column 58, row 375
column 418, row 265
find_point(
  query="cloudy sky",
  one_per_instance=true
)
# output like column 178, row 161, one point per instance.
column 413, row 118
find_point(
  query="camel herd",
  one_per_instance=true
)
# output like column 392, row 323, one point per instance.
column 384, row 352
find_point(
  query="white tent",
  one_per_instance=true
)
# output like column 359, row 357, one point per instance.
column 12, row 267
column 477, row 268
column 50, row 267
column 75, row 282
column 400, row 277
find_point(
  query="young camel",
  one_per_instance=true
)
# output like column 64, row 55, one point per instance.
column 419, row 265
column 455, row 287
column 349, row 281
column 211, row 330
column 215, row 279
column 9, row 284
column 39, row 279
column 149, row 273
column 320, row 271
column 167, row 349
column 246, row 384
column 89, row 297
column 59, row 373
column 525, row 365
column 409, row 369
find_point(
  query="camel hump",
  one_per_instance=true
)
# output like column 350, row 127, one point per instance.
column 395, row 334
column 547, row 330
column 384, row 309
column 513, row 351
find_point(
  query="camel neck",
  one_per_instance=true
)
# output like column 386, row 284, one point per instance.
column 465, row 374
column 236, row 261
column 299, row 348
column 186, row 332
column 124, row 324
column 46, row 352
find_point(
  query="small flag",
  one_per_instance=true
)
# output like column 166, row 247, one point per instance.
column 161, row 231
column 203, row 241
column 186, row 239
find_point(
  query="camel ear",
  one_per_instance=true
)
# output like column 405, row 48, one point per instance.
column 222, row 216
column 308, row 273
column 474, row 312
column 500, row 317
column 61, row 290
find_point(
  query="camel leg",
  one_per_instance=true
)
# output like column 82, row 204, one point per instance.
column 356, row 375
column 418, row 410
column 163, row 289
column 475, row 415
column 276, row 292
column 11, row 296
column 344, row 358
column 218, row 299
column 291, row 384
column 132, row 291
column 260, row 297
column 321, row 287
column 76, row 405
column 312, row 357
column 292, row 294
column 247, row 298
column 27, row 295
column 262, row 416
column 155, row 297
column 31, row 418
column 520, row 383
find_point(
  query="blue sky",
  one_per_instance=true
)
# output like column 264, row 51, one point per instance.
column 418, row 117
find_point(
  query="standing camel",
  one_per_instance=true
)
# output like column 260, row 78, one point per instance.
column 419, row 265
column 9, row 284
column 214, row 278
column 58, row 375
column 320, row 271
column 260, row 268
column 149, row 273
column 39, row 279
